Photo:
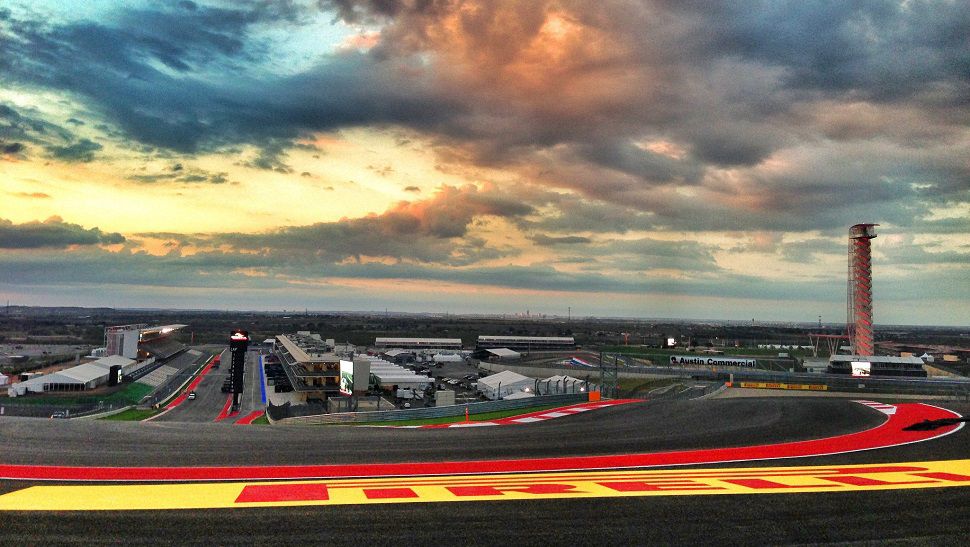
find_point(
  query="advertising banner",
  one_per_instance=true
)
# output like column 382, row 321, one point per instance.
column 346, row 377
column 861, row 368
column 712, row 361
column 777, row 385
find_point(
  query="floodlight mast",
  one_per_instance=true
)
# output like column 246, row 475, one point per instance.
column 859, row 290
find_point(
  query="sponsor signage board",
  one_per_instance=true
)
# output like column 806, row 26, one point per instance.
column 712, row 361
column 861, row 368
column 346, row 377
column 776, row 385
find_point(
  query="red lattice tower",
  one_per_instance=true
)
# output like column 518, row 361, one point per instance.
column 859, row 323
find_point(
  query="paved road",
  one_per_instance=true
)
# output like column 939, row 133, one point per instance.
column 921, row 516
column 210, row 401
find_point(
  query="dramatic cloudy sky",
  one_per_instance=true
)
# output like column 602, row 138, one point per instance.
column 680, row 158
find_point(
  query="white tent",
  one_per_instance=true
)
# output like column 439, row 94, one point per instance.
column 389, row 374
column 448, row 358
column 502, row 384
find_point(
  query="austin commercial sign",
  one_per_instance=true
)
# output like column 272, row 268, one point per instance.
column 712, row 361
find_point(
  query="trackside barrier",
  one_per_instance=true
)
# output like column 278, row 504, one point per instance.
column 99, row 415
column 949, row 389
column 277, row 414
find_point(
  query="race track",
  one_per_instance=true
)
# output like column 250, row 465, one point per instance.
column 917, row 514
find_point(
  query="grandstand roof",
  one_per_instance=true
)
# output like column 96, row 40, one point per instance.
column 562, row 339
column 418, row 341
column 504, row 352
column 877, row 359
column 164, row 328
column 82, row 373
column 113, row 360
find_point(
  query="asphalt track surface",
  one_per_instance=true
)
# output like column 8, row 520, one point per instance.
column 210, row 404
column 923, row 516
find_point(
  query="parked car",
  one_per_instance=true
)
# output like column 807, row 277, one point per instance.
column 59, row 415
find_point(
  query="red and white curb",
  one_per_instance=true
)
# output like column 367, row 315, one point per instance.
column 888, row 410
column 525, row 418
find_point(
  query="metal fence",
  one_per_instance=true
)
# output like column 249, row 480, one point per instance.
column 625, row 367
column 681, row 392
column 278, row 414
column 958, row 389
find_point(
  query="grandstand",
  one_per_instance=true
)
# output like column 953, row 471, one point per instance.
column 160, row 348
column 417, row 343
column 527, row 343
column 158, row 376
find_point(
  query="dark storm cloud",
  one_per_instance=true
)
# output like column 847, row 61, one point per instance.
column 53, row 232
column 918, row 254
column 544, row 240
column 279, row 269
column 737, row 81
column 940, row 226
column 810, row 250
column 886, row 50
column 576, row 95
column 646, row 165
column 115, row 67
column 11, row 148
column 434, row 230
column 82, row 151
column 653, row 254
column 271, row 157
column 26, row 124
column 180, row 173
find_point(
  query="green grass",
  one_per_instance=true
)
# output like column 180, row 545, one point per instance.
column 132, row 415
column 262, row 420
column 129, row 395
column 498, row 414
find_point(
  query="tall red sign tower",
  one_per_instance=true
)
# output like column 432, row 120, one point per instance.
column 859, row 316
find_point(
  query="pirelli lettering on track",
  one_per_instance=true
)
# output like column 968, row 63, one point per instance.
column 418, row 489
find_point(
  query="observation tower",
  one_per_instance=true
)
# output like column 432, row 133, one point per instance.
column 859, row 298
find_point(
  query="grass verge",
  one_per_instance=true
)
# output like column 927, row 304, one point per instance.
column 132, row 415
column 262, row 420
column 129, row 395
